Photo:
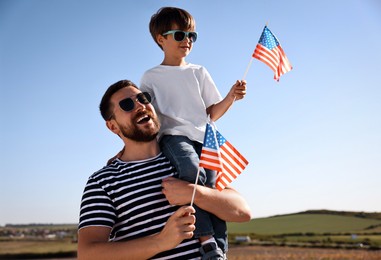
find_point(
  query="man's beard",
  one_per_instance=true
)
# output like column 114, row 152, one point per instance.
column 141, row 135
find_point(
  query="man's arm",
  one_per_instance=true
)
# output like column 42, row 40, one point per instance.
column 93, row 241
column 227, row 204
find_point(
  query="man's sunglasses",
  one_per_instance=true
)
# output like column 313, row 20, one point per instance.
column 179, row 35
column 128, row 104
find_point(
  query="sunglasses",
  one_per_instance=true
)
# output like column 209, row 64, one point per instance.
column 179, row 35
column 128, row 104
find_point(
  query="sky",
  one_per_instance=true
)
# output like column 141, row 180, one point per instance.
column 313, row 139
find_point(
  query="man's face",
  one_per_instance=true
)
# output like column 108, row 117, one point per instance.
column 141, row 123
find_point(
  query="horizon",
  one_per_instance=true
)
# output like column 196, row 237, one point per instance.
column 278, row 215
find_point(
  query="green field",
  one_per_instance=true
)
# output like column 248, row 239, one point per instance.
column 38, row 241
column 311, row 229
column 304, row 223
column 30, row 248
column 328, row 229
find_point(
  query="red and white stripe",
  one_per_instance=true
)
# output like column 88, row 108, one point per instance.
column 233, row 164
column 276, row 59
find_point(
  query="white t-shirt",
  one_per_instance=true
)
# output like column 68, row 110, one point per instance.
column 181, row 95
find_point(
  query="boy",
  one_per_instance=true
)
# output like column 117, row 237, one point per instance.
column 184, row 95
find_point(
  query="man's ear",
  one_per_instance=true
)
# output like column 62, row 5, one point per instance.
column 113, row 126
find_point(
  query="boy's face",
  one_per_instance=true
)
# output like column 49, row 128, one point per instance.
column 175, row 49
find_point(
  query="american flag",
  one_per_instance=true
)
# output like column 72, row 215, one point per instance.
column 218, row 154
column 271, row 53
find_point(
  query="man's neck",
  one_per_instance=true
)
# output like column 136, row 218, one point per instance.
column 136, row 151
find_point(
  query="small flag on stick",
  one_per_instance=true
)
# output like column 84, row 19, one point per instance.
column 218, row 154
column 269, row 51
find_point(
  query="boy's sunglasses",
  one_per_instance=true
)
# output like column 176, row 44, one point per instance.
column 128, row 104
column 179, row 35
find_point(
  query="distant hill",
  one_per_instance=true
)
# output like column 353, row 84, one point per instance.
column 359, row 214
column 311, row 221
column 42, row 226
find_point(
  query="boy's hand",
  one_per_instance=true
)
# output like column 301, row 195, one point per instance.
column 238, row 90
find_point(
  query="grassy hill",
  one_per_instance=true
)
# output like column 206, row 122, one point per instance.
column 314, row 228
column 358, row 214
column 313, row 221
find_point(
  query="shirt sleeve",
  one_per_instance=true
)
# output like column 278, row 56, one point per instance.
column 97, row 208
column 144, row 86
column 209, row 91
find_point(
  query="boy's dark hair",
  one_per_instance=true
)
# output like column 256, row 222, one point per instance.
column 163, row 20
column 105, row 106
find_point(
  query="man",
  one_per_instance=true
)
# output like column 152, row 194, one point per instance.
column 132, row 201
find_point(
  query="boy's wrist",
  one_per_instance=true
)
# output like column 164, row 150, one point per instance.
column 230, row 98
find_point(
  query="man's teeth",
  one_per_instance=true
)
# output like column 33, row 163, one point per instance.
column 143, row 118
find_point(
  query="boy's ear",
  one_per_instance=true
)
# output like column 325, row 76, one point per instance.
column 160, row 38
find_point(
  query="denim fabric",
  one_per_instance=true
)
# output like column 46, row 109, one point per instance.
column 184, row 155
column 180, row 150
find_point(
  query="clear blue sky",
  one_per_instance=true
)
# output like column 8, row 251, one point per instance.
column 313, row 139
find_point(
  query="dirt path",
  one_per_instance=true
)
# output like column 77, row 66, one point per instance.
column 291, row 253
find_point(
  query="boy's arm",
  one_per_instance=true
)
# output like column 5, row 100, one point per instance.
column 237, row 92
column 93, row 241
column 227, row 204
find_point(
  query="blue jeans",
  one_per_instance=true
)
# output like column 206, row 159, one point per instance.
column 184, row 155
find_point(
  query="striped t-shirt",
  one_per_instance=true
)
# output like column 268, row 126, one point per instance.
column 127, row 197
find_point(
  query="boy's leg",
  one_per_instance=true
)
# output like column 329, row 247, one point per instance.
column 220, row 232
column 181, row 152
column 219, row 225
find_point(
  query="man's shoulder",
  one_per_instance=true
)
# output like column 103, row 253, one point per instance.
column 118, row 166
column 112, row 168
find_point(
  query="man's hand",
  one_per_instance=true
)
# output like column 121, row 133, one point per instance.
column 179, row 226
column 176, row 191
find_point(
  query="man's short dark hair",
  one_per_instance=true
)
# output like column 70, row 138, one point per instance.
column 105, row 106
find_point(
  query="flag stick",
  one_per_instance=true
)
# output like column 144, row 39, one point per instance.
column 215, row 140
column 195, row 185
column 247, row 69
